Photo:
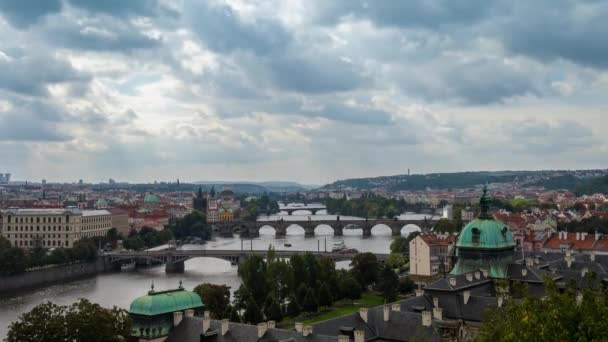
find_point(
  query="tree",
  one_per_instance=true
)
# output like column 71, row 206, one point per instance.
column 12, row 261
column 112, row 236
column 365, row 268
column 325, row 297
column 400, row 245
column 253, row 274
column 395, row 260
column 82, row 321
column 272, row 310
column 252, row 314
column 406, row 285
column 215, row 297
column 350, row 288
column 301, row 294
column 388, row 284
column 310, row 303
column 293, row 308
column 446, row 226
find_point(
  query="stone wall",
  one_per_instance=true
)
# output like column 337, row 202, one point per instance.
column 51, row 275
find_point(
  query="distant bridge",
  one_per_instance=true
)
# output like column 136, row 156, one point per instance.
column 312, row 208
column 174, row 259
column 309, row 225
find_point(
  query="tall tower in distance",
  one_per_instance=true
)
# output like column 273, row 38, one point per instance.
column 408, row 171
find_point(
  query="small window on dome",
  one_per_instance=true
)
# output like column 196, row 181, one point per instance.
column 504, row 231
column 475, row 237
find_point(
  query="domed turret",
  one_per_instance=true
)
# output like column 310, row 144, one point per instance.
column 484, row 243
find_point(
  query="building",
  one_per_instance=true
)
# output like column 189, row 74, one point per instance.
column 484, row 243
column 430, row 254
column 95, row 223
column 225, row 215
column 29, row 228
column 157, row 313
column 199, row 202
column 120, row 220
column 101, row 203
column 212, row 211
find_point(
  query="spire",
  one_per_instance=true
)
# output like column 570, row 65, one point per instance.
column 180, row 285
column 151, row 289
column 484, row 202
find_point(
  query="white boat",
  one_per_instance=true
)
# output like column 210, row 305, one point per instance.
column 127, row 267
column 338, row 246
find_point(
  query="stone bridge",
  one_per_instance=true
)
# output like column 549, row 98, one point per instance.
column 313, row 209
column 252, row 229
column 174, row 259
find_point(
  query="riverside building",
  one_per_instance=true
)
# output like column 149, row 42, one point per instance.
column 48, row 228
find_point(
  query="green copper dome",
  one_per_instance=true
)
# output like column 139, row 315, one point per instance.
column 156, row 303
column 151, row 198
column 484, row 243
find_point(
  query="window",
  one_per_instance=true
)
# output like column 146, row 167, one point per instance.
column 475, row 235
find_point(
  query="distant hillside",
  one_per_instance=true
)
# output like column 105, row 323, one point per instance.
column 550, row 179
column 253, row 187
column 592, row 186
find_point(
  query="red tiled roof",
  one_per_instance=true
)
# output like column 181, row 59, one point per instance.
column 438, row 240
column 556, row 243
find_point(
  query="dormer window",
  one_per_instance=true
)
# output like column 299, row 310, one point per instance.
column 504, row 231
column 475, row 235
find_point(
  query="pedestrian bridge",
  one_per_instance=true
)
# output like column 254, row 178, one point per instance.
column 174, row 259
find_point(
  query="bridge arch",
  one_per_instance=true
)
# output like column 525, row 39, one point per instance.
column 267, row 230
column 324, row 229
column 410, row 228
column 302, row 212
column 352, row 229
column 295, row 229
column 381, row 230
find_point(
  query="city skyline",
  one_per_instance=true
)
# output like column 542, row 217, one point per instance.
column 306, row 91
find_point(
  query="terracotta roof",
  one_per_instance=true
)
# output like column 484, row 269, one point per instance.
column 438, row 240
column 570, row 241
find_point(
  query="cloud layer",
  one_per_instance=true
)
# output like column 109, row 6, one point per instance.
column 306, row 90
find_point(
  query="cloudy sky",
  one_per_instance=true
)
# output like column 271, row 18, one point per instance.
column 304, row 90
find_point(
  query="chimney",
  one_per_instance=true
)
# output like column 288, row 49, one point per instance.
column 359, row 336
column 578, row 236
column 485, row 273
column 584, row 271
column 529, row 262
column 225, row 326
column 426, row 318
column 579, row 298
column 536, row 260
column 500, row 301
column 396, row 307
column 206, row 323
column 363, row 314
column 272, row 324
column 438, row 313
column 469, row 277
column 419, row 292
column 583, row 236
column 207, row 314
column 387, row 313
column 436, row 302
column 452, row 282
column 477, row 275
column 569, row 262
column 299, row 327
column 307, row 330
column 262, row 327
column 524, row 272
column 592, row 256
column 598, row 235
column 177, row 318
column 467, row 296
column 343, row 338
column 189, row 313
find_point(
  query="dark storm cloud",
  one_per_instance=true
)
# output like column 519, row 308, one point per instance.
column 23, row 13
column 220, row 28
column 32, row 121
column 31, row 74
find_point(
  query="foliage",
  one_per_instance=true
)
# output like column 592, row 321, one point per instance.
column 406, row 285
column 272, row 310
column 192, row 225
column 215, row 297
column 293, row 308
column 146, row 238
column 401, row 244
column 253, row 313
column 371, row 206
column 388, row 284
column 259, row 206
column 589, row 225
column 365, row 268
column 12, row 259
column 448, row 226
column 310, row 303
column 395, row 261
column 556, row 317
column 253, row 275
column 325, row 297
column 82, row 321
column 350, row 288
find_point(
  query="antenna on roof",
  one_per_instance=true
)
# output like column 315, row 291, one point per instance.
column 180, row 284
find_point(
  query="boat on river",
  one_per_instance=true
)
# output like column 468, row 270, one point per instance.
column 338, row 246
column 128, row 267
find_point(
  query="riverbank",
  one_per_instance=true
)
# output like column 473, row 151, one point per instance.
column 42, row 277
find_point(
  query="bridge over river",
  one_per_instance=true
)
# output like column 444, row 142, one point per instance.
column 308, row 224
column 174, row 259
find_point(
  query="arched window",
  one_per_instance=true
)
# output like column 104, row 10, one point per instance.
column 475, row 235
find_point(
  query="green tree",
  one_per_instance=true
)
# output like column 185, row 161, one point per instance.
column 395, row 260
column 112, row 236
column 253, row 275
column 215, row 297
column 12, row 261
column 272, row 310
column 365, row 268
column 293, row 308
column 310, row 303
column 301, row 294
column 388, row 284
column 325, row 297
column 406, row 285
column 350, row 288
column 82, row 321
column 253, row 313
column 400, row 245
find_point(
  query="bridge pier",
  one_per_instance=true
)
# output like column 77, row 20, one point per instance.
column 367, row 231
column 175, row 267
column 309, row 231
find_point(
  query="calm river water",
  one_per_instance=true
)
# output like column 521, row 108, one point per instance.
column 120, row 289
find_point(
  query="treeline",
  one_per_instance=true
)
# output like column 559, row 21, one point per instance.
column 371, row 207
column 146, row 238
column 589, row 225
column 255, row 207
column 273, row 289
column 14, row 260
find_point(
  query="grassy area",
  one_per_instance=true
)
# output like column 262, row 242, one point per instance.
column 340, row 308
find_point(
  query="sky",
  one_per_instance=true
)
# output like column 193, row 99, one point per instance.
column 303, row 90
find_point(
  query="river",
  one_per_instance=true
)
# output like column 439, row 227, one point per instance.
column 119, row 289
